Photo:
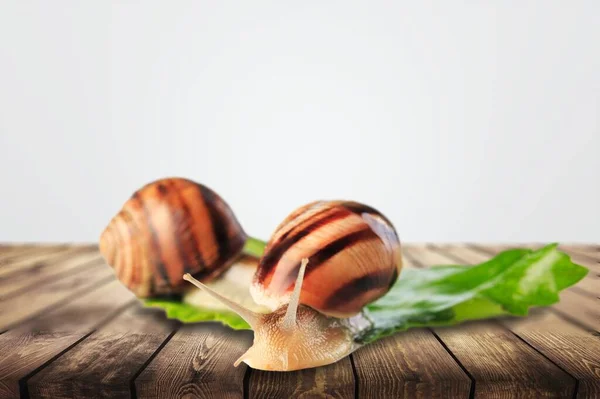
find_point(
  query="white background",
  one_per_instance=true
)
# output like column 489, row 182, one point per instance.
column 461, row 121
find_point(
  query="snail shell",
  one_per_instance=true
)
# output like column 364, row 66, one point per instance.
column 354, row 258
column 167, row 228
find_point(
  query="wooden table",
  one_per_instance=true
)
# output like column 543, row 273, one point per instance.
column 69, row 329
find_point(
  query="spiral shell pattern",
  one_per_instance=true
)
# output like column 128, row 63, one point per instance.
column 354, row 258
column 167, row 228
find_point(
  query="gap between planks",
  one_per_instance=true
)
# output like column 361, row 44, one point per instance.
column 576, row 360
column 33, row 345
column 488, row 351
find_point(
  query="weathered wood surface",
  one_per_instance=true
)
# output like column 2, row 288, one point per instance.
column 74, row 331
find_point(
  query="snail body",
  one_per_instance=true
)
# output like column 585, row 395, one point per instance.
column 169, row 227
column 339, row 256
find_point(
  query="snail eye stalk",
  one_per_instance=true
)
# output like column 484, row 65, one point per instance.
column 289, row 320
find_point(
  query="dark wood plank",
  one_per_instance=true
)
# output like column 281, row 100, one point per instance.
column 105, row 363
column 331, row 381
column 21, row 307
column 45, row 272
column 409, row 364
column 574, row 349
column 28, row 347
column 197, row 362
column 500, row 362
column 39, row 261
column 581, row 306
column 546, row 332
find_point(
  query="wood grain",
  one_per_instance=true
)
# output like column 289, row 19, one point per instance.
column 21, row 307
column 331, row 381
column 8, row 251
column 572, row 348
column 592, row 252
column 38, row 261
column 47, row 271
column 500, row 362
column 104, row 364
column 408, row 365
column 197, row 362
column 33, row 344
column 28, row 256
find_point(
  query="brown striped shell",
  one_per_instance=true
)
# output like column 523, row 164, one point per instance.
column 354, row 258
column 167, row 228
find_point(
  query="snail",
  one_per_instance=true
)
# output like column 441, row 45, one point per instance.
column 322, row 265
column 169, row 227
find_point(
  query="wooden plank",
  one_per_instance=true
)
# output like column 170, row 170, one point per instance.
column 105, row 363
column 21, row 307
column 27, row 253
column 32, row 345
column 583, row 307
column 426, row 256
column 38, row 261
column 401, row 366
column 589, row 251
column 574, row 349
column 16, row 282
column 501, row 363
column 409, row 364
column 546, row 332
column 12, row 249
column 332, row 381
column 197, row 362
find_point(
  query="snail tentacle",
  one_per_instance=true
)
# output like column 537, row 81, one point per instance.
column 289, row 320
column 249, row 316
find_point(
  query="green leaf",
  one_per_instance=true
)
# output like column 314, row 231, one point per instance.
column 193, row 314
column 510, row 283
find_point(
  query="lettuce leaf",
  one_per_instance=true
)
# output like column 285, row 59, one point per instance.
column 191, row 314
column 508, row 284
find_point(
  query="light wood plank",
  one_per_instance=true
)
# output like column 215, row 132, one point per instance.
column 501, row 363
column 331, row 381
column 45, row 272
column 36, row 342
column 21, row 307
column 426, row 256
column 38, row 261
column 589, row 251
column 197, row 362
column 104, row 363
column 26, row 254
